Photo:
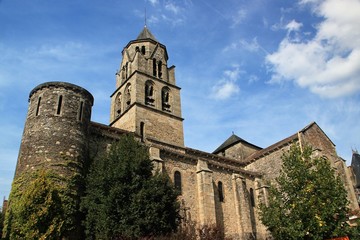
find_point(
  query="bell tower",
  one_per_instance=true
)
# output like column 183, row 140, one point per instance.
column 146, row 99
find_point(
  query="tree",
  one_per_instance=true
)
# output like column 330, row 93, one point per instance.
column 123, row 199
column 307, row 201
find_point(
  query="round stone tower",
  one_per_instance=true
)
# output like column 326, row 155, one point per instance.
column 56, row 129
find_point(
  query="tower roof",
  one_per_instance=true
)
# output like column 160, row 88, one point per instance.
column 146, row 34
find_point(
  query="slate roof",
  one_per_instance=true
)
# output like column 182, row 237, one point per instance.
column 232, row 140
column 146, row 34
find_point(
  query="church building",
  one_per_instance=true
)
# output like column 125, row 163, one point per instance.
column 224, row 187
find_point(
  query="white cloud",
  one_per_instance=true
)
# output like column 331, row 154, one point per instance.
column 153, row 2
column 227, row 86
column 293, row 26
column 238, row 17
column 251, row 46
column 328, row 64
column 170, row 6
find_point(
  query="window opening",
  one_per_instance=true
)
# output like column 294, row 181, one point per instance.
column 58, row 111
column 126, row 70
column 252, row 199
column 81, row 110
column 128, row 95
column 38, row 107
column 221, row 191
column 149, row 93
column 118, row 105
column 165, row 97
column 177, row 181
column 154, row 67
column 159, row 69
column 142, row 131
column 137, row 49
column 143, row 50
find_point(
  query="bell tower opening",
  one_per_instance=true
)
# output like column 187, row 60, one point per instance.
column 146, row 88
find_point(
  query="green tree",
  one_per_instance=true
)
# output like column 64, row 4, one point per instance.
column 123, row 199
column 307, row 201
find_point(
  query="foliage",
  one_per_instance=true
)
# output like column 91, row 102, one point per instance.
column 123, row 199
column 40, row 207
column 2, row 213
column 308, row 200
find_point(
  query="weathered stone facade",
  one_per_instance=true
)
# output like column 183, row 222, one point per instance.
column 223, row 188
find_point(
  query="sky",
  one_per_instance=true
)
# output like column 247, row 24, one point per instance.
column 262, row 69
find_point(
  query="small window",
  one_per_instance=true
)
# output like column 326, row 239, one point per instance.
column 128, row 95
column 221, row 191
column 118, row 105
column 149, row 93
column 160, row 69
column 38, row 107
column 58, row 111
column 142, row 131
column 177, row 181
column 252, row 198
column 143, row 50
column 81, row 111
column 165, row 97
column 154, row 67
column 137, row 49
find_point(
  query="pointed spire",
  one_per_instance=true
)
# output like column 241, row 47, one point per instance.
column 146, row 34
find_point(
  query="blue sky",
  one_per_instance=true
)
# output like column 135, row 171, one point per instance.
column 263, row 69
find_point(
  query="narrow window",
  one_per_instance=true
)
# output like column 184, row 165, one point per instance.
column 142, row 131
column 80, row 110
column 58, row 111
column 128, row 95
column 159, row 69
column 38, row 107
column 118, row 105
column 252, row 198
column 177, row 181
column 149, row 93
column 154, row 67
column 126, row 70
column 165, row 97
column 220, row 191
column 137, row 49
column 143, row 50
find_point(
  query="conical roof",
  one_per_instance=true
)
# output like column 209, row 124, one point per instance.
column 146, row 34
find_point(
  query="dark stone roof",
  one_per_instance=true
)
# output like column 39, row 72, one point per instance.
column 146, row 34
column 232, row 140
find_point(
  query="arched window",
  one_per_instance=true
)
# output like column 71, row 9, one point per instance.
column 38, row 107
column 154, row 67
column 177, row 181
column 165, row 98
column 118, row 105
column 143, row 50
column 221, row 191
column 160, row 69
column 149, row 93
column 252, row 198
column 59, row 105
column 128, row 95
column 137, row 49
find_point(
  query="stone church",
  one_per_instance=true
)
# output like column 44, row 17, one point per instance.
column 223, row 187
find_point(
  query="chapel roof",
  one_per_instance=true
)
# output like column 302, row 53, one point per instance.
column 232, row 140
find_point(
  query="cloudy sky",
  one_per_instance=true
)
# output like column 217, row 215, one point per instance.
column 263, row 69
